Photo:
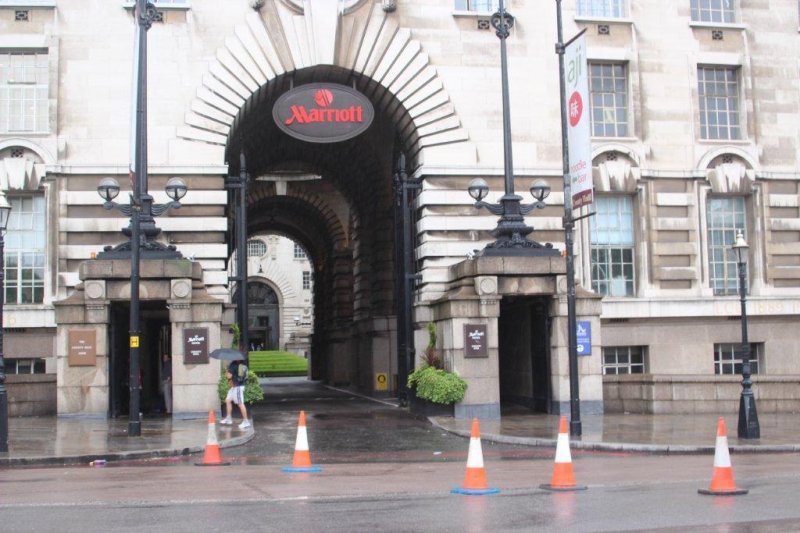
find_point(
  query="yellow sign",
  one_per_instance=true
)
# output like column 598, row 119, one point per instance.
column 135, row 341
column 381, row 382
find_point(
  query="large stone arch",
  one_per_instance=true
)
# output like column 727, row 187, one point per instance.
column 385, row 63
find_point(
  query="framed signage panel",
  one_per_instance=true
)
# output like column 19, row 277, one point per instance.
column 475, row 340
column 82, row 349
column 195, row 346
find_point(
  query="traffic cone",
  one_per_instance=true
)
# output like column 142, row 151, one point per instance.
column 302, row 456
column 563, row 479
column 722, row 483
column 212, row 455
column 475, row 476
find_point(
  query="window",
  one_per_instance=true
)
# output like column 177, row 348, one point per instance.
column 481, row 6
column 728, row 358
column 24, row 366
column 608, row 86
column 256, row 248
column 24, row 252
column 623, row 360
column 299, row 253
column 712, row 11
column 613, row 246
column 718, row 90
column 306, row 280
column 601, row 8
column 23, row 91
column 726, row 217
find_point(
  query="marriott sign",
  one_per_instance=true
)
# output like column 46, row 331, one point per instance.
column 323, row 113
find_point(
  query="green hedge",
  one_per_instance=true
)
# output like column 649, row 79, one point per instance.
column 276, row 363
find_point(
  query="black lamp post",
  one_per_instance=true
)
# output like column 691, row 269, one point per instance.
column 511, row 230
column 5, row 212
column 108, row 191
column 748, row 417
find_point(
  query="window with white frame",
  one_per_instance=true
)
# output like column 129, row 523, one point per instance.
column 480, row 6
column 601, row 8
column 256, row 248
column 623, row 360
column 299, row 253
column 24, row 366
column 608, row 87
column 728, row 357
column 306, row 280
column 612, row 244
column 23, row 91
column 25, row 243
column 713, row 11
column 718, row 91
column 725, row 217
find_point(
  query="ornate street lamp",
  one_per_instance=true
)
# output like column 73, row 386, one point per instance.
column 5, row 212
column 748, row 417
column 511, row 230
column 108, row 189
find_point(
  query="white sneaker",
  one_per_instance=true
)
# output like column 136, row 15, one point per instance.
column 245, row 424
column 227, row 421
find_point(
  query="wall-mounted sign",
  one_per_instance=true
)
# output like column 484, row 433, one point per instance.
column 323, row 113
column 475, row 340
column 583, row 330
column 381, row 381
column 82, row 349
column 195, row 346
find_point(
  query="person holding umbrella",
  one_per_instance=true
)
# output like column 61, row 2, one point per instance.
column 236, row 372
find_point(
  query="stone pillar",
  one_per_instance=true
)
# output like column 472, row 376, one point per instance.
column 82, row 389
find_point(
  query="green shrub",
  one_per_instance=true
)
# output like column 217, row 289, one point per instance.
column 437, row 385
column 274, row 363
column 252, row 389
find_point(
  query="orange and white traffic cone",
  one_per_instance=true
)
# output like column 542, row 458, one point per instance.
column 475, row 476
column 563, row 479
column 722, row 483
column 212, row 455
column 302, row 456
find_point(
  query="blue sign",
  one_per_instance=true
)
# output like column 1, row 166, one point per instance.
column 584, row 337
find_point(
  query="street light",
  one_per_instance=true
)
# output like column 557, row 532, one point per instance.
column 108, row 189
column 511, row 230
column 748, row 417
column 5, row 212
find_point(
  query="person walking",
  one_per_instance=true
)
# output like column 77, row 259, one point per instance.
column 236, row 374
column 166, row 382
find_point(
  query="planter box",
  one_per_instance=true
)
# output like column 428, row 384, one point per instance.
column 423, row 407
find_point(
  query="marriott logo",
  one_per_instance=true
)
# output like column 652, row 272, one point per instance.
column 324, row 98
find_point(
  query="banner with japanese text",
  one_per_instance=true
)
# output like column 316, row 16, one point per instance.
column 578, row 122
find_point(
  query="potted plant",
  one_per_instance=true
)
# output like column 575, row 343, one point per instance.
column 433, row 390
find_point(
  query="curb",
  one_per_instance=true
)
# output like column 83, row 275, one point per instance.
column 663, row 449
column 65, row 460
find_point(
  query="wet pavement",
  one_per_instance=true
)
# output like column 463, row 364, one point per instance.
column 346, row 428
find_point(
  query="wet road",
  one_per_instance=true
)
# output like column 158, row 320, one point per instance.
column 343, row 428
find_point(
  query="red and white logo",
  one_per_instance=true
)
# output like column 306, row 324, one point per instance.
column 323, row 97
column 575, row 109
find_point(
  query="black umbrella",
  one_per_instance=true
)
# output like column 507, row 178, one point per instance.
column 227, row 354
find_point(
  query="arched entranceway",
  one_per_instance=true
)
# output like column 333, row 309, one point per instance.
column 264, row 314
column 337, row 199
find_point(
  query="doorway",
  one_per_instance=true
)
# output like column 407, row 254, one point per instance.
column 524, row 328
column 155, row 340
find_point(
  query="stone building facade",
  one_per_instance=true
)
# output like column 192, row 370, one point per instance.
column 695, row 138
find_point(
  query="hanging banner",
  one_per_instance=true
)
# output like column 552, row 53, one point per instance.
column 579, row 134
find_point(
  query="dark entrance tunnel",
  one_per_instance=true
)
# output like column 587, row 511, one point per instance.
column 337, row 200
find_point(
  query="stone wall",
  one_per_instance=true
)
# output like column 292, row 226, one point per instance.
column 31, row 395
column 687, row 394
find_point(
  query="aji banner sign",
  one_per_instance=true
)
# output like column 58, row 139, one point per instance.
column 578, row 122
column 323, row 113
